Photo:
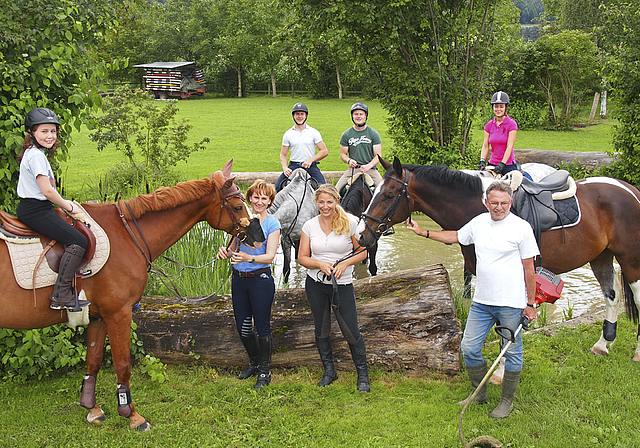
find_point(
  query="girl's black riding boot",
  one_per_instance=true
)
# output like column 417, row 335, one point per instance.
column 64, row 293
column 326, row 356
column 359, row 355
column 265, row 346
column 251, row 346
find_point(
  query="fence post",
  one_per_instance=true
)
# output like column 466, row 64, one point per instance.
column 596, row 99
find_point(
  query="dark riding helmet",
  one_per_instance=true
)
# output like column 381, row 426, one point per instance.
column 500, row 98
column 360, row 106
column 299, row 107
column 40, row 115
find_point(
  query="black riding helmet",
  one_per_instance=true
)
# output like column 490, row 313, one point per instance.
column 40, row 115
column 359, row 106
column 300, row 107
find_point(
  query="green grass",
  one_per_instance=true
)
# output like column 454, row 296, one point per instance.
column 567, row 397
column 250, row 130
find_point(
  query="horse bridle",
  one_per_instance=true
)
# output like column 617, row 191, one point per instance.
column 383, row 224
column 241, row 234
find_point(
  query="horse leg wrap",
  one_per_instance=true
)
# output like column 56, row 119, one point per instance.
column 609, row 330
column 124, row 401
column 88, row 392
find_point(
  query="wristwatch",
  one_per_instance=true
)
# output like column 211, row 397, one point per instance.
column 531, row 305
column 253, row 258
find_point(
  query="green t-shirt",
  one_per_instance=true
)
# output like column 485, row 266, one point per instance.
column 360, row 143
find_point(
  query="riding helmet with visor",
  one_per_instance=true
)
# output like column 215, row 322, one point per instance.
column 40, row 115
column 500, row 98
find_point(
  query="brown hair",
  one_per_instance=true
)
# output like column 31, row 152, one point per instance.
column 262, row 186
column 340, row 223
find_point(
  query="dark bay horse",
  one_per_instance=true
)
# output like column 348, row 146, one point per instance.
column 292, row 207
column 162, row 219
column 355, row 201
column 609, row 227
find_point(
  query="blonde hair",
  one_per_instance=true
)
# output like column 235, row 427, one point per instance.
column 262, row 186
column 340, row 224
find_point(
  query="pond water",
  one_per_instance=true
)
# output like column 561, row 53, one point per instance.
column 406, row 250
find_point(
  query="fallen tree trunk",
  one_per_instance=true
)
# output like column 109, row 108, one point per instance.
column 407, row 319
column 588, row 159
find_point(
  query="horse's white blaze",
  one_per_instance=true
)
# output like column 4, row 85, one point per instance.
column 609, row 181
column 375, row 193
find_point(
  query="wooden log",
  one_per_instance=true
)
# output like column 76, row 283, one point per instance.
column 407, row 319
column 588, row 159
column 272, row 176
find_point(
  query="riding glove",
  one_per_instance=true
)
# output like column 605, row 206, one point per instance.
column 499, row 167
column 482, row 165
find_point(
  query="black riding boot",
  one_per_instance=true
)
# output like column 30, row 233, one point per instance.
column 251, row 346
column 265, row 346
column 326, row 356
column 64, row 294
column 359, row 355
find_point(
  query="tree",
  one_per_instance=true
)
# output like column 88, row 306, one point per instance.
column 620, row 37
column 131, row 120
column 567, row 72
column 43, row 63
column 427, row 60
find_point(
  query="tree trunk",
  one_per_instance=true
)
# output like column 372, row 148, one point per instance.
column 239, row 81
column 273, row 83
column 339, row 82
column 407, row 319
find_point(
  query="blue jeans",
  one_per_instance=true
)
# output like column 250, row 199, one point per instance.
column 313, row 171
column 479, row 323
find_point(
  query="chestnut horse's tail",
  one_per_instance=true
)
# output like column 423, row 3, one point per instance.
column 629, row 302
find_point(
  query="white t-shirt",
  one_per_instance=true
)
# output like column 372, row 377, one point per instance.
column 329, row 248
column 500, row 248
column 301, row 144
column 34, row 163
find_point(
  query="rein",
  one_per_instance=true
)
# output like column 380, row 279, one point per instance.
column 298, row 208
column 383, row 223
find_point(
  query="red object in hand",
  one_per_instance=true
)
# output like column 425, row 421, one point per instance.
column 548, row 286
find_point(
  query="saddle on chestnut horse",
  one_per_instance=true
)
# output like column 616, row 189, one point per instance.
column 27, row 249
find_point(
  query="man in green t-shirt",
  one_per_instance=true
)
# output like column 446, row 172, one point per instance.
column 359, row 146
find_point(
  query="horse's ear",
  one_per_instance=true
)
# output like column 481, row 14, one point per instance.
column 226, row 169
column 386, row 165
column 397, row 166
column 228, row 183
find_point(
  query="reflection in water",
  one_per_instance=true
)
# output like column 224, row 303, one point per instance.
column 406, row 250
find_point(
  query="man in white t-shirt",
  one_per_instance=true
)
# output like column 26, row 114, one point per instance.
column 505, row 287
column 302, row 140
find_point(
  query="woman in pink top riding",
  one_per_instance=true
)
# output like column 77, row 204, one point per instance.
column 500, row 135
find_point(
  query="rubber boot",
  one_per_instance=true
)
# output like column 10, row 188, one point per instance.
column 265, row 346
column 476, row 375
column 64, row 293
column 509, row 388
column 251, row 346
column 359, row 355
column 326, row 356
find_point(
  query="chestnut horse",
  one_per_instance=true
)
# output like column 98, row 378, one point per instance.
column 161, row 219
column 609, row 227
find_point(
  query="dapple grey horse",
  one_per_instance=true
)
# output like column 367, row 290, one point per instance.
column 293, row 206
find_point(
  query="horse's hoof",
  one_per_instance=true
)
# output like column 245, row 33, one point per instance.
column 636, row 357
column 96, row 419
column 144, row 426
column 598, row 351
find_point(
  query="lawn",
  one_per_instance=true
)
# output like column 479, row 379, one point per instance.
column 250, row 130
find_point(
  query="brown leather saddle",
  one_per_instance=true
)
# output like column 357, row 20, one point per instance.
column 13, row 228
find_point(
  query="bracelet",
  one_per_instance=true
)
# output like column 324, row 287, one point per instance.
column 427, row 234
column 532, row 306
column 253, row 258
column 71, row 211
column 482, row 160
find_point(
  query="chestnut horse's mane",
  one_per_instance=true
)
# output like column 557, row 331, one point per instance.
column 169, row 197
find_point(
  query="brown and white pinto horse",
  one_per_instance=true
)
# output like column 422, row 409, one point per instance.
column 609, row 227
column 162, row 219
